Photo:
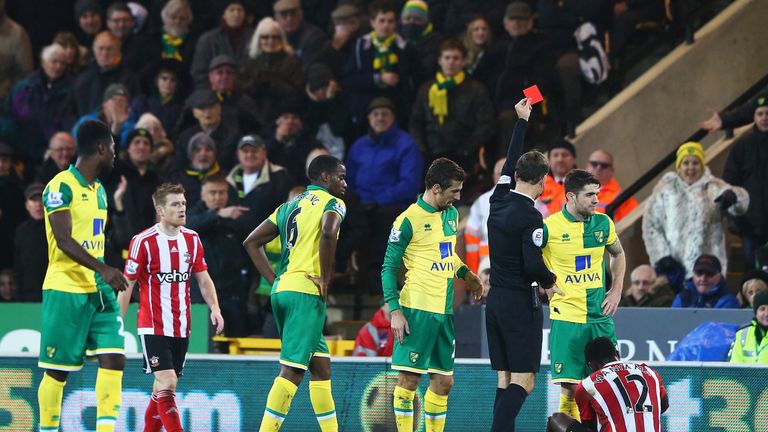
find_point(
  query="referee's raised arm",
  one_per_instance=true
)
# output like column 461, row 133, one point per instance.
column 515, row 149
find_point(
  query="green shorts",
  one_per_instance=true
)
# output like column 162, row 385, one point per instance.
column 77, row 325
column 300, row 318
column 566, row 348
column 430, row 347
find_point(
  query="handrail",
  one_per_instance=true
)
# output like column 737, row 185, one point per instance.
column 662, row 165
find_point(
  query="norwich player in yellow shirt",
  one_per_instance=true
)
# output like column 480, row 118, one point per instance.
column 424, row 238
column 308, row 228
column 80, row 311
column 575, row 240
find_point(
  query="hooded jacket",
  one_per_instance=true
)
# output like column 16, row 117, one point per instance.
column 718, row 298
column 375, row 339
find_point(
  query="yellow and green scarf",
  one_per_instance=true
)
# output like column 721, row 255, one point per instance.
column 438, row 94
column 384, row 59
column 170, row 46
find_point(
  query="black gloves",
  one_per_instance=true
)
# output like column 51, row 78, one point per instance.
column 726, row 199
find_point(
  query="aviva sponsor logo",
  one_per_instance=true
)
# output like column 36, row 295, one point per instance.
column 440, row 266
column 582, row 263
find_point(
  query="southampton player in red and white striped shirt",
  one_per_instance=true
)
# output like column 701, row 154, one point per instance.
column 162, row 259
column 617, row 397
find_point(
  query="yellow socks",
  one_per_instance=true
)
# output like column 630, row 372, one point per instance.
column 322, row 403
column 435, row 410
column 568, row 406
column 49, row 396
column 109, row 390
column 278, row 404
column 403, row 403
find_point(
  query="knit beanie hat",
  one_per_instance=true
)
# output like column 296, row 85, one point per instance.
column 760, row 299
column 417, row 9
column 198, row 140
column 689, row 149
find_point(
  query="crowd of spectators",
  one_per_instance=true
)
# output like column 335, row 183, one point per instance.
column 231, row 99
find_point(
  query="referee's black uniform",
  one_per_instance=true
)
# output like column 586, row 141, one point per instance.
column 513, row 315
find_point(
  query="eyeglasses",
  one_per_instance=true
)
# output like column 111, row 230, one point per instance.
column 598, row 164
column 270, row 37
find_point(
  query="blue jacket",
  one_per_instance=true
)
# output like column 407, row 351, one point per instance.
column 718, row 298
column 387, row 171
column 125, row 130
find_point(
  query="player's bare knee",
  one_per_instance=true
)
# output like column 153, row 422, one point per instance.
column 112, row 361
column 294, row 375
column 568, row 389
column 502, row 379
column 408, row 380
column 441, row 384
column 166, row 380
column 58, row 375
column 320, row 369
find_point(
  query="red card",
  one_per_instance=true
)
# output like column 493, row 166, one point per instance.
column 534, row 94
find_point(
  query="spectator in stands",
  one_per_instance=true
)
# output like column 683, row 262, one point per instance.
column 120, row 23
column 738, row 116
column 271, row 73
column 163, row 150
column 562, row 159
column 201, row 153
column 384, row 169
column 62, row 152
column 417, row 29
column 7, row 285
column 173, row 41
column 116, row 112
column 130, row 187
column 30, row 254
column 306, row 39
column 382, row 64
column 683, row 217
column 747, row 167
column 671, row 272
column 258, row 185
column 15, row 52
column 478, row 38
column 476, row 231
column 236, row 106
column 601, row 165
column 626, row 15
column 646, row 291
column 75, row 55
column 288, row 143
column 38, row 104
column 751, row 341
column 525, row 58
column 753, row 282
column 230, row 38
column 89, row 21
column 347, row 27
column 375, row 339
column 707, row 288
column 165, row 99
column 327, row 117
column 12, row 211
column 88, row 87
column 207, row 112
column 216, row 223
column 453, row 115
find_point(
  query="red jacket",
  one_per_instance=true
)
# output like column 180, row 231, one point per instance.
column 375, row 338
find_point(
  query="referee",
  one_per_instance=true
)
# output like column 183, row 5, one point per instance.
column 513, row 317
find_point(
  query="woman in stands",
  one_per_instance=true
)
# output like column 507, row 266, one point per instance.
column 684, row 215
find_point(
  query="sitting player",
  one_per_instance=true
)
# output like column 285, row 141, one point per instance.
column 617, row 397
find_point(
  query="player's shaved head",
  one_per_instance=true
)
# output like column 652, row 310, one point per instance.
column 322, row 164
column 90, row 135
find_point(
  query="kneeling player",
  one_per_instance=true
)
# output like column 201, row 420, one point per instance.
column 617, row 396
column 162, row 258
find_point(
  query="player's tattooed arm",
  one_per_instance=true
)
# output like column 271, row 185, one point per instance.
column 615, row 249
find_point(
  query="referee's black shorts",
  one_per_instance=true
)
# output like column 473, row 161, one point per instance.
column 513, row 325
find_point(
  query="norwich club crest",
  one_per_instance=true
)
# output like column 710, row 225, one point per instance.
column 413, row 356
column 50, row 351
column 558, row 368
column 452, row 224
column 599, row 236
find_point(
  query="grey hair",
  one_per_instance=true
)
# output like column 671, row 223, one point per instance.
column 50, row 50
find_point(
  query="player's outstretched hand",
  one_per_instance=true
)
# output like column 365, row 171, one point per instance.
column 523, row 109
column 611, row 302
column 475, row 286
column 114, row 278
column 217, row 320
column 399, row 325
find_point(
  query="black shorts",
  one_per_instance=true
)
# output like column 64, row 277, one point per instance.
column 514, row 324
column 163, row 353
column 578, row 427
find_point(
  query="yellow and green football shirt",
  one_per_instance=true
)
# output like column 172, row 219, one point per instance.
column 299, row 223
column 87, row 205
column 574, row 251
column 423, row 238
